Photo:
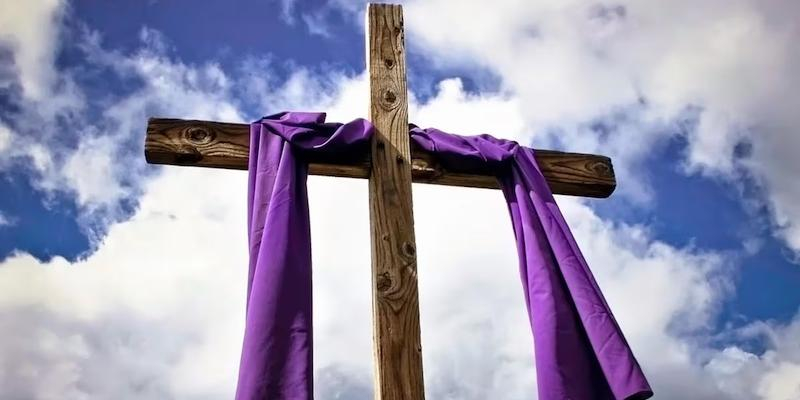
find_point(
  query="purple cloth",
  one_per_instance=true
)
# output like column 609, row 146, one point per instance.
column 580, row 350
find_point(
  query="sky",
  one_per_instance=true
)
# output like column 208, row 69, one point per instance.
column 124, row 280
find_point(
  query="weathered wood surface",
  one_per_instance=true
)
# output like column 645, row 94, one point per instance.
column 227, row 145
column 395, row 300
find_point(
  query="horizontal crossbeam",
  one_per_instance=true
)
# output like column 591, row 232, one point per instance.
column 227, row 145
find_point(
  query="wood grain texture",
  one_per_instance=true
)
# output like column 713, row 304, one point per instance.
column 395, row 300
column 227, row 145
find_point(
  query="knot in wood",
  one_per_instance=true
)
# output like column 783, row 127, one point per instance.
column 199, row 135
column 384, row 282
column 389, row 97
column 601, row 169
column 389, row 63
column 409, row 249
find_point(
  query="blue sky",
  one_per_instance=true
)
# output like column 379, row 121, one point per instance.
column 703, row 228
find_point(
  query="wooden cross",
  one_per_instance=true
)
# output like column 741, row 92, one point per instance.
column 391, row 166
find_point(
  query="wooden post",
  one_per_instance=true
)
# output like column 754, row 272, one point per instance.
column 395, row 302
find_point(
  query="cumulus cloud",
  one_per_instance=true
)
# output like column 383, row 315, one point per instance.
column 771, row 375
column 157, row 310
column 131, row 321
column 30, row 30
column 159, row 307
column 729, row 64
column 100, row 169
column 166, row 287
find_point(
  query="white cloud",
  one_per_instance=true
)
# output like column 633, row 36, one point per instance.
column 287, row 11
column 169, row 288
column 133, row 305
column 29, row 28
column 316, row 24
column 157, row 310
column 571, row 62
column 772, row 375
column 100, row 170
column 166, row 287
column 90, row 172
column 5, row 138
column 5, row 220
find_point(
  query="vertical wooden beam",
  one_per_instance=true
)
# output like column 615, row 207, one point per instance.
column 395, row 302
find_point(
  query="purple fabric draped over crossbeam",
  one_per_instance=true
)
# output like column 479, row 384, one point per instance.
column 580, row 351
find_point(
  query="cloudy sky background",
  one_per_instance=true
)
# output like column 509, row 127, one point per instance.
column 123, row 280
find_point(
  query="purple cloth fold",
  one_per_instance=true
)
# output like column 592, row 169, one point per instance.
column 581, row 352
